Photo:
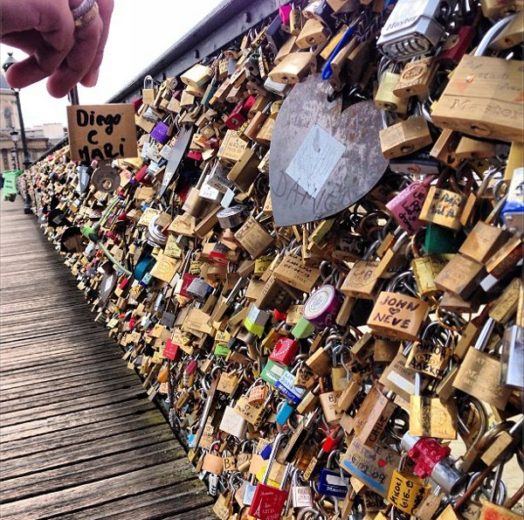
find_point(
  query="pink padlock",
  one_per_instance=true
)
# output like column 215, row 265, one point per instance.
column 405, row 207
column 284, row 11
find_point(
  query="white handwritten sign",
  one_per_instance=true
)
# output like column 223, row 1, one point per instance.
column 315, row 160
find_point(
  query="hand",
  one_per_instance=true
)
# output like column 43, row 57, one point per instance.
column 45, row 30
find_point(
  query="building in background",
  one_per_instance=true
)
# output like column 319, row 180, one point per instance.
column 39, row 138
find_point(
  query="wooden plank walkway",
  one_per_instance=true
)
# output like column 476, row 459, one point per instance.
column 78, row 438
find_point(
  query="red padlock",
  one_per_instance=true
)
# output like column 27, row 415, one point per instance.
column 191, row 367
column 171, row 351
column 426, row 454
column 187, row 278
column 236, row 119
column 285, row 351
column 248, row 103
column 141, row 174
column 279, row 315
column 137, row 103
column 195, row 155
column 123, row 282
column 331, row 442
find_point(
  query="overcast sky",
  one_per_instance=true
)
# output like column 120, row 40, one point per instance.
column 141, row 31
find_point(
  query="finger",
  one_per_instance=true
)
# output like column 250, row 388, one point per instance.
column 78, row 61
column 26, row 41
column 53, row 19
column 44, row 62
column 106, row 10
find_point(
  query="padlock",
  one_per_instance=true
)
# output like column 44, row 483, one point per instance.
column 284, row 412
column 430, row 417
column 482, row 242
column 467, row 112
column 411, row 31
column 322, row 307
column 406, row 491
column 512, row 355
column 361, row 281
column 233, row 423
column 301, row 495
column 460, row 276
column 309, row 401
column 292, row 68
column 372, row 416
column 328, row 403
column 148, row 91
column 443, row 206
column 332, row 483
column 374, row 466
column 268, row 502
column 479, row 373
column 385, row 98
column 415, row 79
column 405, row 137
column 253, row 237
column 406, row 206
column 286, row 385
column 398, row 316
column 502, row 262
column 432, row 460
column 256, row 320
column 213, row 463
column 285, row 351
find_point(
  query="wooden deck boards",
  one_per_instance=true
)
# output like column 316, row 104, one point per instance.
column 78, row 437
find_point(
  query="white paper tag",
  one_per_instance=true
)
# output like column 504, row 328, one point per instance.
column 315, row 159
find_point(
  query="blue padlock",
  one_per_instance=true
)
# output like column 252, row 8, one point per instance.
column 286, row 385
column 284, row 411
column 191, row 440
column 332, row 484
column 266, row 451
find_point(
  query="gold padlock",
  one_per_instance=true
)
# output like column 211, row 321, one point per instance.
column 405, row 137
column 313, row 33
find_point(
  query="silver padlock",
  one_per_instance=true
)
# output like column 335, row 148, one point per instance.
column 301, row 495
column 413, row 28
column 231, row 217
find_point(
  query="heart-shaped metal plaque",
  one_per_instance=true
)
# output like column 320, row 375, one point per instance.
column 322, row 159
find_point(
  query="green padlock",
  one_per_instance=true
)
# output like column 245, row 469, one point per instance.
column 440, row 240
column 303, row 329
column 272, row 372
column 221, row 350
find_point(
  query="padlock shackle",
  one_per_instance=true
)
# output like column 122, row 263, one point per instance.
column 485, row 334
column 272, row 457
column 492, row 33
